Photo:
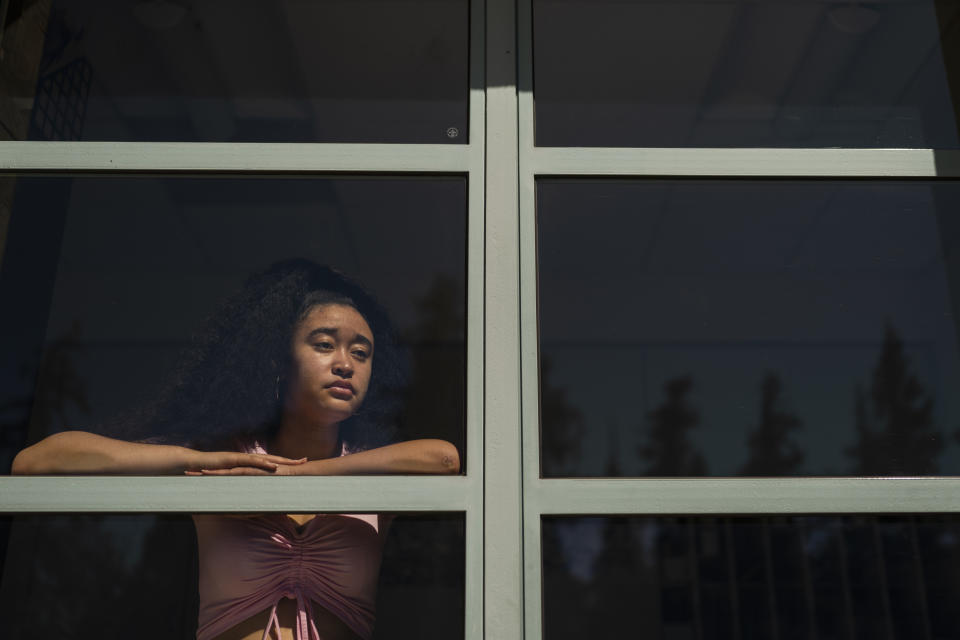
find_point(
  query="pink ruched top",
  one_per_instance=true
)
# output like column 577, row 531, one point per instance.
column 248, row 564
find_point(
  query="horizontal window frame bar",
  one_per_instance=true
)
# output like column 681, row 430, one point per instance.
column 690, row 496
column 201, row 157
column 819, row 163
column 289, row 494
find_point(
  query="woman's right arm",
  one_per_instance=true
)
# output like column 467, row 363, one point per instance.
column 80, row 452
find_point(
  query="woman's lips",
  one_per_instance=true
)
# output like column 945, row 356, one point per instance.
column 343, row 390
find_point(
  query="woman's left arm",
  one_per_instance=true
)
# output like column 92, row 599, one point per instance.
column 411, row 457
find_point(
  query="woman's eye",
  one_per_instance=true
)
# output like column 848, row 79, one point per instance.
column 360, row 354
column 323, row 346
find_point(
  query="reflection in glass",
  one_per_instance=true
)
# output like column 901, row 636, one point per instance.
column 235, row 71
column 77, row 576
column 757, row 328
column 788, row 577
column 746, row 73
column 111, row 277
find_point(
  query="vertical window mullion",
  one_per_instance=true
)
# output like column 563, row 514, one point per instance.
column 503, row 577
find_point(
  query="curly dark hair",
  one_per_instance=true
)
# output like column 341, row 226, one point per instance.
column 226, row 391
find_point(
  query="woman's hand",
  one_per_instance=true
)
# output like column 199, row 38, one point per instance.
column 225, row 463
column 79, row 452
column 423, row 457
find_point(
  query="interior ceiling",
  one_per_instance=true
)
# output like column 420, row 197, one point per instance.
column 753, row 52
column 284, row 49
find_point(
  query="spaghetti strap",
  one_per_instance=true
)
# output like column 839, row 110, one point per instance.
column 306, row 628
column 272, row 623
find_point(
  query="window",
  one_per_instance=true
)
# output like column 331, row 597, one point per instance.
column 218, row 136
column 776, row 179
column 649, row 290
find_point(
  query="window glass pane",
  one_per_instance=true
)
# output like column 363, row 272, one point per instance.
column 746, row 73
column 796, row 577
column 112, row 279
column 236, row 70
column 746, row 327
column 73, row 576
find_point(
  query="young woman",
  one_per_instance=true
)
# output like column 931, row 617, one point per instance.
column 297, row 374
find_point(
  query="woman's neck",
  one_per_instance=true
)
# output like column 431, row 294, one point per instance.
column 296, row 439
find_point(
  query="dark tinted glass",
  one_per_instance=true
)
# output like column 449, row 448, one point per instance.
column 103, row 576
column 111, row 278
column 236, row 70
column 843, row 578
column 760, row 328
column 746, row 73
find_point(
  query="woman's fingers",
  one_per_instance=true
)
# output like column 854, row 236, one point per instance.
column 254, row 460
column 265, row 461
column 234, row 471
column 282, row 460
column 229, row 463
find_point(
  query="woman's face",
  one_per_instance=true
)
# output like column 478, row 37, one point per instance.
column 332, row 358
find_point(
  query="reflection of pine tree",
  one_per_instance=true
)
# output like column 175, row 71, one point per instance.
column 895, row 433
column 433, row 405
column 423, row 555
column 668, row 450
column 167, row 566
column 771, row 452
column 73, row 574
column 59, row 390
column 561, row 423
column 59, row 386
column 868, row 451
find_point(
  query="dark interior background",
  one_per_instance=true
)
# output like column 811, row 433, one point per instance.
column 393, row 71
column 746, row 73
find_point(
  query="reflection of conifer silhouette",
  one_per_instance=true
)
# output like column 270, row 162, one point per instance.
column 71, row 563
column 58, row 388
column 433, row 405
column 561, row 424
column 895, row 434
column 166, row 566
column 771, row 452
column 425, row 554
column 668, row 451
column 868, row 452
